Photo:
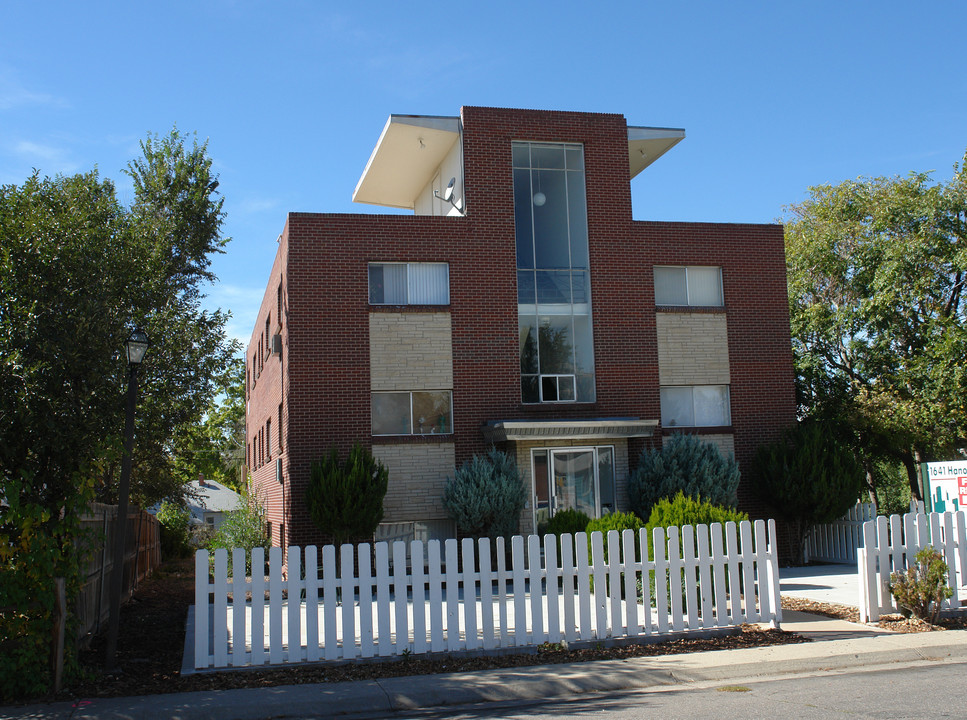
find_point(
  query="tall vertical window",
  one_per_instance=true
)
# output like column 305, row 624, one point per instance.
column 553, row 281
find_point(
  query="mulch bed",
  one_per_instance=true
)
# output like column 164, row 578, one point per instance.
column 895, row 622
column 152, row 637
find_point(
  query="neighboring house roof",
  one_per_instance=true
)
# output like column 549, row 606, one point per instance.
column 208, row 496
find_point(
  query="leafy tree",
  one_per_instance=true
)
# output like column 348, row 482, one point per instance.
column 684, row 463
column 876, row 272
column 77, row 272
column 242, row 528
column 808, row 477
column 215, row 447
column 486, row 495
column 345, row 498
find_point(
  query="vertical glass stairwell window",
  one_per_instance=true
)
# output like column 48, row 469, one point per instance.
column 553, row 281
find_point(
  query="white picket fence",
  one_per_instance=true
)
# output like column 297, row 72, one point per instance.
column 839, row 541
column 452, row 598
column 891, row 545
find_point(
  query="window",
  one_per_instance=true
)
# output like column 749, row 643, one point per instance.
column 210, row 520
column 280, row 427
column 268, row 439
column 409, row 284
column 695, row 406
column 426, row 412
column 553, row 279
column 688, row 286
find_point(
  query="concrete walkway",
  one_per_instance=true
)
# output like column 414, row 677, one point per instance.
column 822, row 583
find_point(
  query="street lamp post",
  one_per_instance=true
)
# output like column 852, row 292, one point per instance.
column 135, row 347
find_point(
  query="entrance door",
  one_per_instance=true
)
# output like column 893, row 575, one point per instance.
column 564, row 479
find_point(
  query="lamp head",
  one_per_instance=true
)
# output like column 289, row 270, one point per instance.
column 136, row 346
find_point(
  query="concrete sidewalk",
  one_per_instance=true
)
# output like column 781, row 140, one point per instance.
column 837, row 646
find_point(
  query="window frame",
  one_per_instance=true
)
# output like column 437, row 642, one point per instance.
column 412, row 432
column 692, row 388
column 688, row 300
column 407, row 265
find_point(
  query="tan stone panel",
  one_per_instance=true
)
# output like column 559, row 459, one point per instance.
column 724, row 442
column 410, row 351
column 693, row 349
column 417, row 477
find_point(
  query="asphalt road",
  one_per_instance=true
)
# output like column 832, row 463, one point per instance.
column 923, row 690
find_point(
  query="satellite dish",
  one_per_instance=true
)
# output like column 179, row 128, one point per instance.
column 448, row 193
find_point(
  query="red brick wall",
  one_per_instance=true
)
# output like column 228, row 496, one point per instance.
column 324, row 258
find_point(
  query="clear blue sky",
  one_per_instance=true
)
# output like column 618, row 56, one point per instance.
column 292, row 95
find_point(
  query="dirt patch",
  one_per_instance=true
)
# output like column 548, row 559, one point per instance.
column 152, row 636
column 896, row 622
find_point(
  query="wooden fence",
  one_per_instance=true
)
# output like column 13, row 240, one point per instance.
column 142, row 556
column 839, row 541
column 467, row 597
column 891, row 545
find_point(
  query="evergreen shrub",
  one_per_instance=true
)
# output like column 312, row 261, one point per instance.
column 345, row 498
column 486, row 496
column 684, row 463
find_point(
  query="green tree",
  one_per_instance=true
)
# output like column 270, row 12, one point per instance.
column 486, row 495
column 808, row 477
column 876, row 273
column 77, row 272
column 215, row 447
column 345, row 498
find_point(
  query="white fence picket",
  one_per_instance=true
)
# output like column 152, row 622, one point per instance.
column 362, row 606
column 892, row 545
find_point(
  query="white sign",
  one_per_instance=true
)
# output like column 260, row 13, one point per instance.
column 947, row 486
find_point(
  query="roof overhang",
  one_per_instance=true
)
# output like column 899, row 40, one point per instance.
column 516, row 430
column 410, row 149
column 646, row 144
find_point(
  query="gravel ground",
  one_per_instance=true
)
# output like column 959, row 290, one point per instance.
column 152, row 636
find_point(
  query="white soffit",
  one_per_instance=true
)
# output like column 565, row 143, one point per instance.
column 519, row 430
column 646, row 144
column 409, row 150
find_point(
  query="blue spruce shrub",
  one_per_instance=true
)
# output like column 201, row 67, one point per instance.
column 486, row 496
column 686, row 464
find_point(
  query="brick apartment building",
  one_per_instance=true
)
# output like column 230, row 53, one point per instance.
column 520, row 305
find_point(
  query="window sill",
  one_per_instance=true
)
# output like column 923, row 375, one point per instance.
column 698, row 430
column 701, row 309
column 412, row 439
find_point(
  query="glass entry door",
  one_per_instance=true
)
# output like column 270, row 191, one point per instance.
column 572, row 478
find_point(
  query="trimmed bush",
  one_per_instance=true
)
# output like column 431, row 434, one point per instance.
column 684, row 510
column 922, row 589
column 345, row 499
column 619, row 521
column 568, row 520
column 687, row 464
column 486, row 496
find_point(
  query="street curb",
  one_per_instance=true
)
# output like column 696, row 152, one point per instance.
column 538, row 683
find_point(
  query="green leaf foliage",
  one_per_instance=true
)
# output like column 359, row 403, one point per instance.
column 242, row 528
column 619, row 521
column 569, row 521
column 921, row 590
column 345, row 498
column 175, row 522
column 33, row 551
column 876, row 276
column 684, row 510
column 684, row 463
column 808, row 477
column 486, row 496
